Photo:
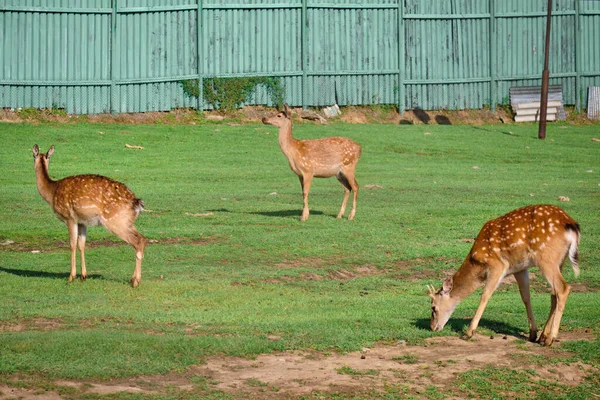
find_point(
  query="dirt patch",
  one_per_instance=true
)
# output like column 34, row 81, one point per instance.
column 95, row 244
column 38, row 324
column 254, row 114
column 302, row 262
column 290, row 375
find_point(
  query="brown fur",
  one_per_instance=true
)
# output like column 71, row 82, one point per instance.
column 87, row 200
column 538, row 235
column 320, row 158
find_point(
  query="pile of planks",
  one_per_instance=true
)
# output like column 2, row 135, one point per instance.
column 525, row 102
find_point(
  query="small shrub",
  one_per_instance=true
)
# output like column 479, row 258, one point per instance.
column 226, row 94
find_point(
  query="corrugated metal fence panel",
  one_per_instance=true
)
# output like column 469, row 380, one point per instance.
column 154, row 52
column 92, row 56
column 446, row 65
column 362, row 43
column 262, row 41
column 55, row 59
column 589, row 48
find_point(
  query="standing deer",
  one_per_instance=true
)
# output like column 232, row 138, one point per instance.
column 537, row 235
column 321, row 158
column 87, row 200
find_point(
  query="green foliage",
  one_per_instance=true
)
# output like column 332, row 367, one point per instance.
column 228, row 94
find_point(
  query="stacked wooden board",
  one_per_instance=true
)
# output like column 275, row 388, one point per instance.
column 525, row 102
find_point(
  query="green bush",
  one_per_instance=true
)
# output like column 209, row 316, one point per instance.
column 226, row 94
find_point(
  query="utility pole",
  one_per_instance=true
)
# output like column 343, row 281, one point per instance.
column 545, row 78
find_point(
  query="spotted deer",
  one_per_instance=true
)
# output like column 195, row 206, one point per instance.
column 536, row 235
column 88, row 200
column 320, row 158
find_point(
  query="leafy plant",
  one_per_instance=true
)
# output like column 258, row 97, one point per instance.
column 226, row 94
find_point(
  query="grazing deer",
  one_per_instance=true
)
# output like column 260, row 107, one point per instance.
column 87, row 200
column 537, row 235
column 321, row 158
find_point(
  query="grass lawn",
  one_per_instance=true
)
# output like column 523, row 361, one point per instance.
column 230, row 265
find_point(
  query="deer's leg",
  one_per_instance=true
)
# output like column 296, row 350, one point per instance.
column 495, row 274
column 305, row 181
column 82, row 234
column 523, row 281
column 560, row 292
column 341, row 177
column 354, row 186
column 72, row 226
column 124, row 229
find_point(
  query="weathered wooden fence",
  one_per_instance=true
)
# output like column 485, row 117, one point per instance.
column 94, row 56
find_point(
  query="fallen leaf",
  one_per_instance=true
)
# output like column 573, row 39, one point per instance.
column 373, row 186
column 595, row 140
column 563, row 198
column 133, row 147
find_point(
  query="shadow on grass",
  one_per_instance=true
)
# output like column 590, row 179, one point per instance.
column 460, row 326
column 285, row 213
column 43, row 274
column 297, row 213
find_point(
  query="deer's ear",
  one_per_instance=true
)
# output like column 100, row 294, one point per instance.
column 447, row 286
column 50, row 151
column 36, row 150
column 287, row 111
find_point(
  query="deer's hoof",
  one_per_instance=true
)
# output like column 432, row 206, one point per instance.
column 545, row 341
column 134, row 282
column 72, row 278
column 533, row 337
column 83, row 277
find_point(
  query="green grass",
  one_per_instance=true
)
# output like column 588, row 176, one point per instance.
column 222, row 283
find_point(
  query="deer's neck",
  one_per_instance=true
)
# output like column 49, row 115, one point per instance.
column 468, row 278
column 286, row 141
column 45, row 185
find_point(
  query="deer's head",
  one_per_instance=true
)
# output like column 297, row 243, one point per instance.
column 442, row 305
column 41, row 158
column 281, row 119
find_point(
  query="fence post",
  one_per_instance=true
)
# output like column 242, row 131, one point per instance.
column 200, row 56
column 401, row 58
column 493, row 55
column 304, row 45
column 113, row 56
column 578, row 62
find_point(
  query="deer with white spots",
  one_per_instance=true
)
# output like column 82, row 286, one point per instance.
column 537, row 235
column 88, row 200
column 320, row 158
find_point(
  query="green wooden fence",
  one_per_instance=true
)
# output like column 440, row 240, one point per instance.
column 95, row 56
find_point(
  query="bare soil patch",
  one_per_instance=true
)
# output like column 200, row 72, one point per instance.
column 94, row 244
column 290, row 375
column 254, row 114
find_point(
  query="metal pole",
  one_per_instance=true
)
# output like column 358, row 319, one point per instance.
column 113, row 57
column 304, row 44
column 401, row 58
column 493, row 55
column 200, row 61
column 545, row 78
column 578, row 50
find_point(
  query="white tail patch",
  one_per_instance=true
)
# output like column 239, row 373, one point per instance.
column 573, row 237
